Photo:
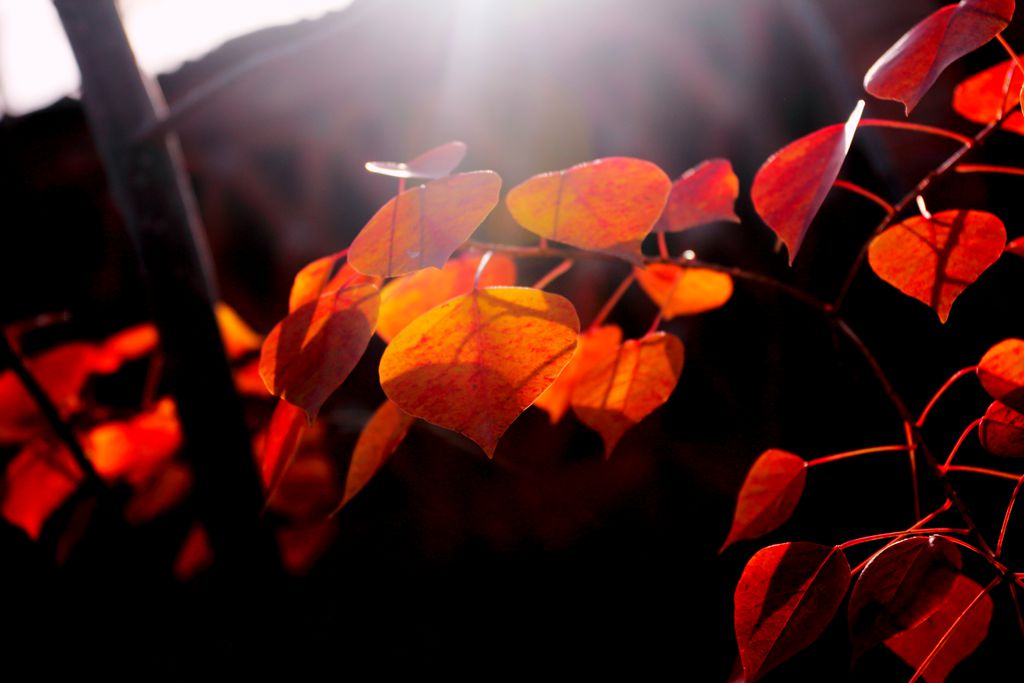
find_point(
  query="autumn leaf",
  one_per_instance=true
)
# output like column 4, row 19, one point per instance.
column 791, row 185
column 284, row 433
column 901, row 587
column 1016, row 247
column 909, row 68
column 986, row 96
column 933, row 259
column 628, row 385
column 1001, row 372
column 596, row 344
column 379, row 439
column 785, row 599
column 423, row 226
column 768, row 496
column 301, row 546
column 684, row 291
column 914, row 645
column 605, row 205
column 194, row 556
column 311, row 352
column 37, row 481
column 704, row 194
column 404, row 299
column 436, row 162
column 309, row 489
column 167, row 489
column 1001, row 431
column 474, row 363
column 133, row 450
column 325, row 275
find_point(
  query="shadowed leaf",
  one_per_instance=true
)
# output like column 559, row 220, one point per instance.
column 436, row 162
column 195, row 555
column 704, row 194
column 596, row 345
column 985, row 96
column 684, row 291
column 37, row 481
column 287, row 425
column 378, row 440
column 1001, row 372
column 1002, row 431
column 323, row 276
column 166, row 490
column 768, row 496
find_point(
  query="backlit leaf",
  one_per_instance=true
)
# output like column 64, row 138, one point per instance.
column 791, row 185
column 934, row 259
column 704, row 194
column 379, row 439
column 1001, row 372
column 684, row 291
column 474, row 363
column 596, row 345
column 606, row 205
column 405, row 299
column 423, row 226
column 785, row 599
column 1016, row 247
column 985, row 96
column 37, row 481
column 628, row 385
column 769, row 495
column 914, row 646
column 287, row 425
column 133, row 450
column 434, row 163
column 239, row 339
column 900, row 587
column 311, row 352
column 909, row 68
column 1002, row 431
column 323, row 276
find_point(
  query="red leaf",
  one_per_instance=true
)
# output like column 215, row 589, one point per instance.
column 704, row 194
column 595, row 345
column 38, row 480
column 319, row 277
column 407, row 298
column 985, row 96
column 423, row 226
column 302, row 546
column 914, row 646
column 1016, row 247
column 628, row 385
column 379, row 439
column 768, row 496
column 934, row 259
column 606, row 205
column 475, row 363
column 311, row 352
column 1002, row 431
column 434, row 163
column 901, row 587
column 194, row 556
column 1001, row 372
column 791, row 185
column 309, row 489
column 684, row 291
column 133, row 450
column 287, row 425
column 909, row 68
column 786, row 597
column 248, row 381
column 165, row 491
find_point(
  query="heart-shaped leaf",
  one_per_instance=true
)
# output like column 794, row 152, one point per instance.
column 791, row 185
column 899, row 588
column 786, row 597
column 933, row 259
column 596, row 344
column 423, row 226
column 407, row 298
column 436, row 162
column 381, row 436
column 909, row 68
column 704, row 194
column 913, row 646
column 1001, row 372
column 474, row 363
column 768, row 496
column 684, row 291
column 628, row 385
column 1002, row 431
column 605, row 205
column 985, row 96
column 311, row 352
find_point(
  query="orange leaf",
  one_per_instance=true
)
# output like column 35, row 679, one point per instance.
column 628, row 385
column 985, row 96
column 130, row 344
column 311, row 352
column 405, row 299
column 684, row 291
column 1001, row 372
column 287, row 425
column 239, row 338
column 596, row 344
column 134, row 449
column 310, row 488
column 319, row 277
column 607, row 205
column 914, row 645
column 704, row 194
column 379, row 439
column 475, row 363
column 1002, row 431
column 423, row 226
column 38, row 480
column 934, row 259
column 909, row 68
column 769, row 495
column 436, row 162
column 791, row 185
column 248, row 381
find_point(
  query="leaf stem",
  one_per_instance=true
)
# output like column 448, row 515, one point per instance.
column 612, row 300
column 1009, row 511
column 960, row 442
column 988, row 168
column 867, row 194
column 853, row 454
column 917, row 127
column 905, row 532
column 663, row 246
column 908, row 431
column 484, row 260
column 959, row 374
column 981, row 470
column 1010, row 51
column 554, row 274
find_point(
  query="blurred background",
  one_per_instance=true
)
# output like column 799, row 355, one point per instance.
column 547, row 557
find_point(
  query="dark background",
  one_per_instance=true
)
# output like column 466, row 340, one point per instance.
column 548, row 559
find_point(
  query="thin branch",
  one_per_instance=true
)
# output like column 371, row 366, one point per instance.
column 1009, row 511
column 606, row 310
column 909, row 532
column 867, row 194
column 852, row 454
column 916, row 127
column 1010, row 51
column 959, row 374
column 960, row 442
column 908, row 431
column 988, row 168
column 554, row 274
column 981, row 470
column 897, row 534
